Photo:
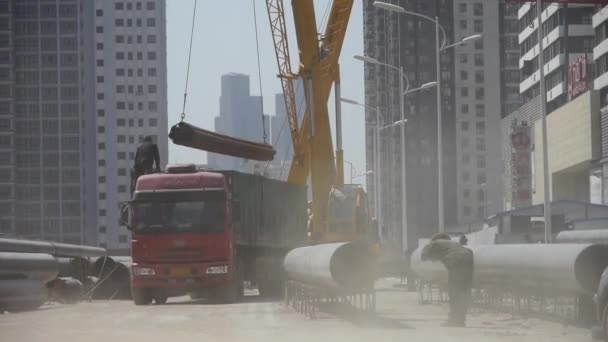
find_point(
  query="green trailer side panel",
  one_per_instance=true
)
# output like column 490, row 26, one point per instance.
column 271, row 213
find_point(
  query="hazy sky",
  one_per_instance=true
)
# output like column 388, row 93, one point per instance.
column 224, row 41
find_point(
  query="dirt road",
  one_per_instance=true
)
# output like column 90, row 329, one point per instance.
column 399, row 318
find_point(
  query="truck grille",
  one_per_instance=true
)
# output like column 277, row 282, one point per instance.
column 180, row 254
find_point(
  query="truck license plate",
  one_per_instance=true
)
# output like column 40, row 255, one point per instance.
column 181, row 271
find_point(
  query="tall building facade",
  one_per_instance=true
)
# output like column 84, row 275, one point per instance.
column 403, row 41
column 62, row 107
column 571, row 103
column 130, row 102
column 41, row 193
column 240, row 117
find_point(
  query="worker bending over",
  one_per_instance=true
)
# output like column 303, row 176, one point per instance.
column 459, row 262
column 147, row 160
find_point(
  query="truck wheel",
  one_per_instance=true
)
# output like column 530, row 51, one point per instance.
column 160, row 298
column 141, row 296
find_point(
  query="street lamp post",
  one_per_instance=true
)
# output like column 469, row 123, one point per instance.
column 440, row 45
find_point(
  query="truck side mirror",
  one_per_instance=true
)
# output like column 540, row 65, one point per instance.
column 125, row 213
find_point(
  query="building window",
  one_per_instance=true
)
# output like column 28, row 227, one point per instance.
column 151, row 39
column 140, row 56
column 120, row 89
column 100, row 79
column 462, row 7
column 102, row 229
column 130, row 39
column 102, row 212
column 466, row 176
column 101, row 162
column 479, row 93
column 121, row 155
column 121, row 139
column 152, row 89
column 464, row 108
column 100, row 96
column 140, row 72
column 481, row 162
column 464, row 91
column 120, row 105
column 152, row 106
column 121, row 122
column 464, row 58
column 140, row 106
column 138, row 22
column 122, row 188
column 480, row 110
column 151, row 22
column 129, row 21
column 463, row 24
column 153, row 122
column 103, row 245
column 464, row 75
column 100, row 62
column 140, row 122
column 122, row 239
column 129, row 6
column 131, row 123
column 478, row 9
column 101, row 129
column 122, row 172
column 479, row 59
column 481, row 128
column 464, row 126
column 120, row 56
column 101, row 113
column 119, row 6
column 120, row 72
column 481, row 178
column 130, row 72
column 478, row 26
column 99, row 29
column 150, row 5
column 99, row 46
column 101, row 146
column 479, row 76
column 99, row 13
column 120, row 39
column 152, row 72
column 119, row 22
column 151, row 55
column 479, row 44
column 481, row 195
column 466, row 210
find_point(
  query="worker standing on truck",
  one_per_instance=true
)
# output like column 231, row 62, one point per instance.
column 459, row 262
column 147, row 160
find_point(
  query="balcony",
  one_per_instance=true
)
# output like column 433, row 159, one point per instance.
column 600, row 17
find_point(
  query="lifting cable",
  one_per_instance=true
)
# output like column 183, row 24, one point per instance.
column 183, row 115
column 257, row 45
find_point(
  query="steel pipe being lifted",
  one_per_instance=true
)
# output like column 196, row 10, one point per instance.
column 336, row 266
column 553, row 268
column 32, row 266
column 52, row 248
column 194, row 137
column 583, row 236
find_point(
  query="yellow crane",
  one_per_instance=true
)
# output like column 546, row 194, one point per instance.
column 339, row 212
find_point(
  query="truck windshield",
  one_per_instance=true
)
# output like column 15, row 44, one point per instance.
column 179, row 216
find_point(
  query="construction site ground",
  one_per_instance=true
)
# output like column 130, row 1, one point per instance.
column 399, row 317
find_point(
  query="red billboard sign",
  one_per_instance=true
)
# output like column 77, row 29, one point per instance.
column 521, row 167
column 577, row 77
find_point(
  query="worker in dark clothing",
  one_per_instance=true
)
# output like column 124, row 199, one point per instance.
column 147, row 160
column 459, row 262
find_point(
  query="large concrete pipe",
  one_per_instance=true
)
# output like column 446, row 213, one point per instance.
column 33, row 266
column 555, row 268
column 583, row 236
column 53, row 248
column 114, row 274
column 347, row 266
column 21, row 294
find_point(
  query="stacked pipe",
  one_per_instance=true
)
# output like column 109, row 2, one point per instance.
column 113, row 276
column 30, row 270
column 194, row 137
column 560, row 269
column 583, row 236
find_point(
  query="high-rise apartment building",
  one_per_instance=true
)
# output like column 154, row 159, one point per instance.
column 403, row 41
column 471, row 110
column 240, row 117
column 41, row 110
column 80, row 83
column 130, row 101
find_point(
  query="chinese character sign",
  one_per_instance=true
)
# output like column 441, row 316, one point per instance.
column 521, row 168
column 577, row 77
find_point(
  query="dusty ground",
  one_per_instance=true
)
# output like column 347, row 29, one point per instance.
column 399, row 318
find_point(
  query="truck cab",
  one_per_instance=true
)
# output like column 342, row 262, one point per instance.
column 182, row 237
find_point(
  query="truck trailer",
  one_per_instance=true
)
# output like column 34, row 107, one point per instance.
column 205, row 233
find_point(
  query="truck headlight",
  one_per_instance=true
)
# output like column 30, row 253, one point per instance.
column 217, row 269
column 143, row 271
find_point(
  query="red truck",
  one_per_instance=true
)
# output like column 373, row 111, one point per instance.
column 205, row 233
